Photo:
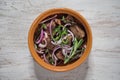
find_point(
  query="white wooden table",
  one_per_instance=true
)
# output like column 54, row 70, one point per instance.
column 16, row 63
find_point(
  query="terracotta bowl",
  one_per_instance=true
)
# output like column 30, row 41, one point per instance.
column 56, row 11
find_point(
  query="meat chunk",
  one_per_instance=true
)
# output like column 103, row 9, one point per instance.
column 59, row 55
column 53, row 24
column 58, row 21
column 69, row 18
column 77, row 31
column 49, row 46
column 69, row 40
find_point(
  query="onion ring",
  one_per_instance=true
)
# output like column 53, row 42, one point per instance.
column 41, row 37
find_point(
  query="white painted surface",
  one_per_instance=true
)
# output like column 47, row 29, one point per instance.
column 16, row 63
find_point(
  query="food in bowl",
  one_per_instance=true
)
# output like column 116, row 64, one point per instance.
column 60, row 39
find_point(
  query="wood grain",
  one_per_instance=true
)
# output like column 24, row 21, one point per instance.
column 16, row 63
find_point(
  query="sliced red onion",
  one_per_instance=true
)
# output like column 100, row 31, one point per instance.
column 53, row 53
column 40, row 51
column 43, row 45
column 49, row 19
column 40, row 37
column 57, row 42
column 44, row 56
column 71, row 35
column 55, row 62
column 64, row 52
column 54, row 43
column 66, row 36
column 46, row 35
column 68, row 24
column 67, row 47
column 71, row 50
column 50, row 28
column 84, row 46
column 68, row 51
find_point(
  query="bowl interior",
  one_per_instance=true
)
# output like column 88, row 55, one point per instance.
column 59, row 11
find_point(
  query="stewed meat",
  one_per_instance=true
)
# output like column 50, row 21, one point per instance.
column 77, row 31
